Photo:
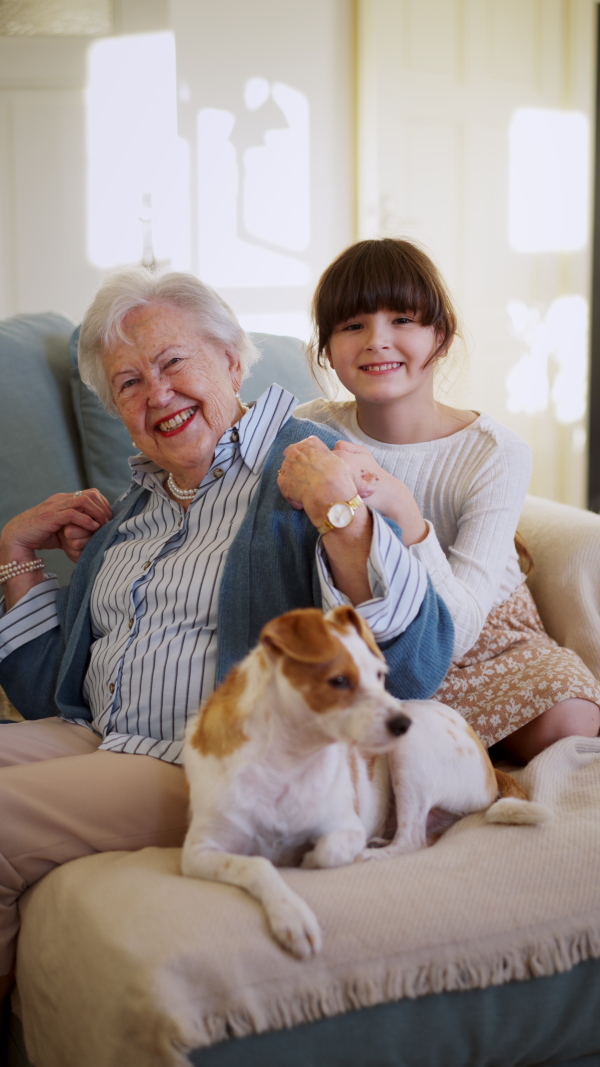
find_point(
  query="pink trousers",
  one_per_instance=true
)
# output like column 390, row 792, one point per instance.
column 60, row 799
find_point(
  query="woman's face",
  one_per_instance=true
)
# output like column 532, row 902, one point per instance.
column 174, row 389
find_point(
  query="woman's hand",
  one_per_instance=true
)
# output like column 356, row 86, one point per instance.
column 313, row 477
column 64, row 520
column 383, row 491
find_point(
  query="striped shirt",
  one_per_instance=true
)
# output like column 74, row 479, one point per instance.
column 155, row 599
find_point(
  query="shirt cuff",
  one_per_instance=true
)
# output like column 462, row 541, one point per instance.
column 33, row 615
column 398, row 583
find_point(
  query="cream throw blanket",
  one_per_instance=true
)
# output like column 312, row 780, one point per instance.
column 122, row 960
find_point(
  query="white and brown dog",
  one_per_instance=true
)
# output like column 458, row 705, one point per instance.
column 295, row 758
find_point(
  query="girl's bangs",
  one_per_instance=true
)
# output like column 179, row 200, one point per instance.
column 378, row 274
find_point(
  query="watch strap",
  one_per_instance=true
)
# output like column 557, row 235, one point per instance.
column 326, row 526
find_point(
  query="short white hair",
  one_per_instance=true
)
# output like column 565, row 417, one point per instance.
column 137, row 287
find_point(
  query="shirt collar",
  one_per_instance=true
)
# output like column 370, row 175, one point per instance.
column 259, row 427
column 254, row 434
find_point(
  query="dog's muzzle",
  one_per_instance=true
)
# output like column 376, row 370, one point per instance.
column 398, row 725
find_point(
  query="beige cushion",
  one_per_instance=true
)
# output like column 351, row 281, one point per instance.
column 565, row 545
column 122, row 961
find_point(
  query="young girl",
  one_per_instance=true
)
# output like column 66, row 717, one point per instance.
column 455, row 482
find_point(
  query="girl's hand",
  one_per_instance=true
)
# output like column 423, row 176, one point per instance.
column 371, row 480
column 383, row 491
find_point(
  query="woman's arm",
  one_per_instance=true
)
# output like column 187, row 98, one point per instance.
column 313, row 477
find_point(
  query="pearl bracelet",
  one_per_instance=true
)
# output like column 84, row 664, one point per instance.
column 12, row 569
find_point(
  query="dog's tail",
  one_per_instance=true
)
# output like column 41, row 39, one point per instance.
column 512, row 805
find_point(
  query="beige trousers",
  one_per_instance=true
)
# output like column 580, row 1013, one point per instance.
column 60, row 799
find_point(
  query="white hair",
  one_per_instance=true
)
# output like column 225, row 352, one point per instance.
column 136, row 287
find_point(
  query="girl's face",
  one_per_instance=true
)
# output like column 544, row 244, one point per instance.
column 383, row 356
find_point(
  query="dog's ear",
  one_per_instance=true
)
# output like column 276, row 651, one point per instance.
column 302, row 635
column 344, row 616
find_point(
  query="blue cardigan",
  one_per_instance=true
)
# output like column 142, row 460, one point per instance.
column 270, row 569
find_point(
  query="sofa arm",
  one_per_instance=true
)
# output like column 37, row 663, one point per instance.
column 565, row 545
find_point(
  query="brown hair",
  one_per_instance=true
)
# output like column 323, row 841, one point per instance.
column 526, row 562
column 384, row 272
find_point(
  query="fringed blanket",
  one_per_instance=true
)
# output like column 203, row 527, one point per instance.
column 123, row 961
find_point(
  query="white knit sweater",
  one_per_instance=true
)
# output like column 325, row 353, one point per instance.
column 470, row 487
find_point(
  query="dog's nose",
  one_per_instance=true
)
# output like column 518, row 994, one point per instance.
column 398, row 725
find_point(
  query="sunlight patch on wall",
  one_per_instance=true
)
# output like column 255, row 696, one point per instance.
column 138, row 168
column 548, row 180
column 253, row 188
column 554, row 369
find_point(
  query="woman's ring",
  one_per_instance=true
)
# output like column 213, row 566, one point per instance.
column 79, row 492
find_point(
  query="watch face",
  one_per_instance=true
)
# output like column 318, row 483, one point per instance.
column 340, row 515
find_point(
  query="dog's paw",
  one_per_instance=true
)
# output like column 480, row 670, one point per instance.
column 295, row 926
column 335, row 849
column 368, row 854
column 387, row 852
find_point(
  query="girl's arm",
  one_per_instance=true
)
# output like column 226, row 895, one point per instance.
column 477, row 500
column 384, row 491
column 479, row 503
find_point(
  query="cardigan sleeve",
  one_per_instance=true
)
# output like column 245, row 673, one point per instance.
column 271, row 568
column 29, row 675
column 30, row 617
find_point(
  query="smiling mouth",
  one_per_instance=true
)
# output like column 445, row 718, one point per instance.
column 175, row 423
column 380, row 368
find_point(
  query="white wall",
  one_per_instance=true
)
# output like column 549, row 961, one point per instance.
column 301, row 52
column 440, row 84
column 42, row 176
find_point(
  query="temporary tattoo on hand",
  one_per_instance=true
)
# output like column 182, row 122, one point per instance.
column 368, row 476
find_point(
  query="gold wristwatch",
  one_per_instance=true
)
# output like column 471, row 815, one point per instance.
column 340, row 515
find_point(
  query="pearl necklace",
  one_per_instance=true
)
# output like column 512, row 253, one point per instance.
column 180, row 494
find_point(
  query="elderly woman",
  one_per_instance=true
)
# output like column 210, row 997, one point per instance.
column 234, row 515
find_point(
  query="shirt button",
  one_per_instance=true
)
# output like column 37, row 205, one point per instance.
column 111, row 687
column 218, row 472
column 130, row 623
column 147, row 564
column 235, row 435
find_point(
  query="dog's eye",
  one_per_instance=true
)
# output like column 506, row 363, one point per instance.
column 340, row 682
column 381, row 676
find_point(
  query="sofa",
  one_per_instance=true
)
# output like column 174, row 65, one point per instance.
column 482, row 951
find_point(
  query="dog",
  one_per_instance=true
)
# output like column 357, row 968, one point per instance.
column 295, row 758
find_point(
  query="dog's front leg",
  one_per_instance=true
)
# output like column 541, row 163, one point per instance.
column 293, row 924
column 336, row 848
column 412, row 802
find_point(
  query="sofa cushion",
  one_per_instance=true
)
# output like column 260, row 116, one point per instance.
column 105, row 443
column 565, row 545
column 39, row 437
column 283, row 361
column 121, row 960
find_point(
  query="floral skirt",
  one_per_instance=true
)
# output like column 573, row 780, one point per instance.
column 514, row 672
